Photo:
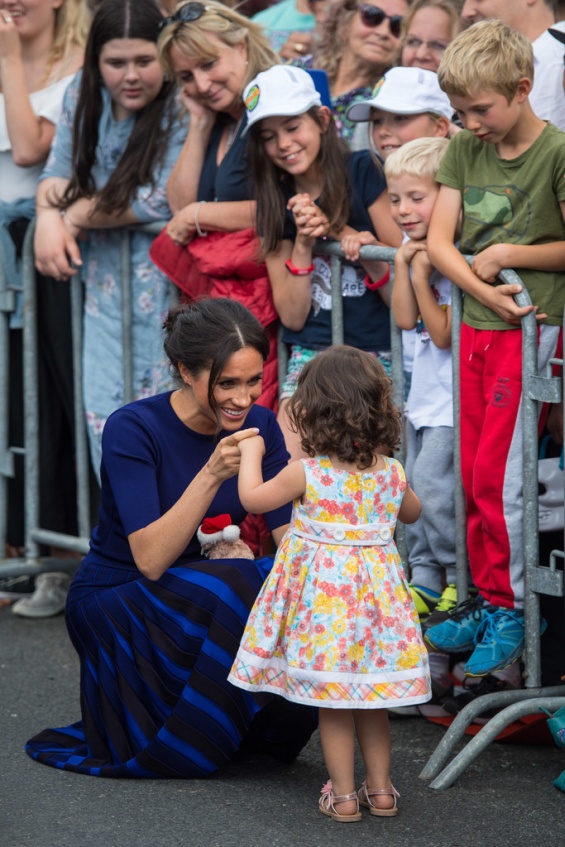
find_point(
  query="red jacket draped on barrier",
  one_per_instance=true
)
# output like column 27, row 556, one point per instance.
column 225, row 264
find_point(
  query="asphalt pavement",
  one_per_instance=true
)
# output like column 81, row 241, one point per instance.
column 505, row 797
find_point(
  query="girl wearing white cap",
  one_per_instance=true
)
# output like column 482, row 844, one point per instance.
column 406, row 103
column 308, row 186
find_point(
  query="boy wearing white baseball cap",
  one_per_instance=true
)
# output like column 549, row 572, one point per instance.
column 406, row 103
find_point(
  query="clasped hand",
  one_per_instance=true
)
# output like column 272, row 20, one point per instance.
column 311, row 222
column 226, row 458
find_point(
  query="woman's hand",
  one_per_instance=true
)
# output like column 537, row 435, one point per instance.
column 297, row 45
column 182, row 228
column 200, row 114
column 57, row 253
column 226, row 458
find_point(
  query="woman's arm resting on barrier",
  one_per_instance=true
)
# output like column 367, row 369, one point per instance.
column 213, row 217
column 445, row 256
column 55, row 242
column 157, row 546
column 258, row 496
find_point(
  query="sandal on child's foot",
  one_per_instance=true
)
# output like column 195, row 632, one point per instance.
column 327, row 807
column 364, row 794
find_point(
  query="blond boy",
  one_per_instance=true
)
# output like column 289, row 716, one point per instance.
column 421, row 300
column 506, row 176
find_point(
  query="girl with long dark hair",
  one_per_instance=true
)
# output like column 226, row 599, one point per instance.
column 115, row 146
column 308, row 186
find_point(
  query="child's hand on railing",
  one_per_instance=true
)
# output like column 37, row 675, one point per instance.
column 408, row 250
column 353, row 241
column 499, row 298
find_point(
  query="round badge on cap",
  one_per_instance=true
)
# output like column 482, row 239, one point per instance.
column 252, row 97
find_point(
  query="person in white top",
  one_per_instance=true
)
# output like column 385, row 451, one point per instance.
column 421, row 299
column 41, row 49
column 532, row 18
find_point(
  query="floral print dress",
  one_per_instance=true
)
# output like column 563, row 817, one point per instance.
column 335, row 625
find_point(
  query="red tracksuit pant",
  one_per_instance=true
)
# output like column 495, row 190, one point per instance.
column 492, row 457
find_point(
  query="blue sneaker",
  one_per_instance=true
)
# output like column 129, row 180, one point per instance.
column 500, row 641
column 457, row 633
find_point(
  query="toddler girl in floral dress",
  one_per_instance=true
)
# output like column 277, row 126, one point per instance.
column 334, row 625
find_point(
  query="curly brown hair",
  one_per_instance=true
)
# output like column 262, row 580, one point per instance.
column 343, row 405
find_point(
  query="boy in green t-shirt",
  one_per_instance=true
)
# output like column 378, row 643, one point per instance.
column 505, row 176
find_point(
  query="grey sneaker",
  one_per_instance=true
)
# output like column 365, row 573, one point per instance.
column 48, row 599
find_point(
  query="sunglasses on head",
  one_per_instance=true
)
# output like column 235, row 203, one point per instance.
column 374, row 16
column 188, row 13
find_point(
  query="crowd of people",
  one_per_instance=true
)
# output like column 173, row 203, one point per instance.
column 435, row 127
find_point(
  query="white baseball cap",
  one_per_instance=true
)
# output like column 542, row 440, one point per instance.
column 404, row 91
column 279, row 92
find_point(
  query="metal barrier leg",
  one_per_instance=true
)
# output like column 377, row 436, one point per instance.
column 535, row 389
column 490, row 731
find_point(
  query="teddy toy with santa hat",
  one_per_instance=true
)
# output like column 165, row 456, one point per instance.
column 219, row 539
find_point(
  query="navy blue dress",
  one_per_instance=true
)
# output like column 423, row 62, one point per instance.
column 155, row 655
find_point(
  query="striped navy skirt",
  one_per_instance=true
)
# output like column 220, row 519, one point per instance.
column 154, row 661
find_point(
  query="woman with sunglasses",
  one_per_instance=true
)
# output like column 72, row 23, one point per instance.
column 358, row 42
column 213, row 52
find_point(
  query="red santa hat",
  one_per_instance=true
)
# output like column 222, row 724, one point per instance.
column 215, row 529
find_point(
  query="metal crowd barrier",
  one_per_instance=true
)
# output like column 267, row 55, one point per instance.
column 538, row 579
column 32, row 563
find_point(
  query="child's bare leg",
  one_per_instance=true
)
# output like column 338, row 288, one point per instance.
column 291, row 439
column 373, row 735
column 337, row 734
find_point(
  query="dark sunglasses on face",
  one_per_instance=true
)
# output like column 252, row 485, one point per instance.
column 374, row 16
column 188, row 13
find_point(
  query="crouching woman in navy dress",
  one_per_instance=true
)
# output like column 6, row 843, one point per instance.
column 156, row 625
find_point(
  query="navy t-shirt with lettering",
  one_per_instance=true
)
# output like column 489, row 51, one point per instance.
column 366, row 317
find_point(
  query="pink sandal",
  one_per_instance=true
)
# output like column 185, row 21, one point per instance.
column 327, row 807
column 364, row 794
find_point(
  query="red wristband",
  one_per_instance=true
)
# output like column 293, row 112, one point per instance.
column 298, row 271
column 378, row 283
